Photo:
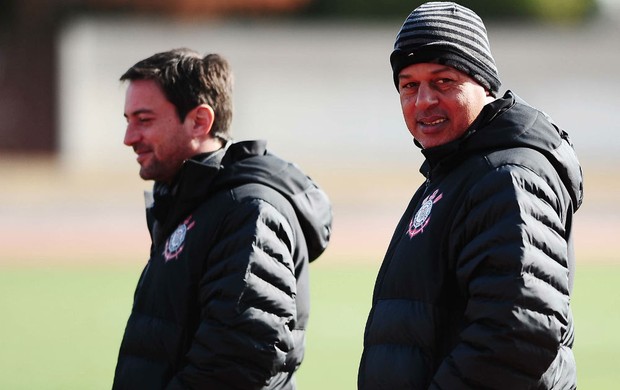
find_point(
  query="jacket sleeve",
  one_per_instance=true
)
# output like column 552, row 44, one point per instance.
column 247, row 298
column 511, row 251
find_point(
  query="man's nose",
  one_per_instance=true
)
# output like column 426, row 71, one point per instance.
column 131, row 136
column 426, row 96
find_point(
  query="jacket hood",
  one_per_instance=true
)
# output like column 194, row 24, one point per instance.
column 234, row 165
column 509, row 122
column 250, row 162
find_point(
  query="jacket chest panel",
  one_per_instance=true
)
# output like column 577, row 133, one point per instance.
column 418, row 267
column 169, row 284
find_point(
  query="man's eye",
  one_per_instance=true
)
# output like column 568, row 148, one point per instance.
column 409, row 85
column 444, row 81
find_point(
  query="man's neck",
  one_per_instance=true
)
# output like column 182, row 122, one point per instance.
column 209, row 145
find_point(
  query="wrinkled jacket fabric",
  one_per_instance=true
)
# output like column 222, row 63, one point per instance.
column 224, row 299
column 474, row 290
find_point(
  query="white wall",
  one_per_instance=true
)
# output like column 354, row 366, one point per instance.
column 322, row 93
column 314, row 92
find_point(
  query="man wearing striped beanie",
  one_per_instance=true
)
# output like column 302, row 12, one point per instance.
column 448, row 34
column 474, row 290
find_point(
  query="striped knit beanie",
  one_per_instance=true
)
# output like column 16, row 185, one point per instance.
column 449, row 34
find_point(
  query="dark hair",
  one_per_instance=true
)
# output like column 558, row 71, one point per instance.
column 189, row 80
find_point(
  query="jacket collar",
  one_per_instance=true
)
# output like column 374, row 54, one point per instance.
column 172, row 202
column 195, row 180
column 450, row 153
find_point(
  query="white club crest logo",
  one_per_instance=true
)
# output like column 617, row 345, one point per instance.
column 175, row 243
column 423, row 216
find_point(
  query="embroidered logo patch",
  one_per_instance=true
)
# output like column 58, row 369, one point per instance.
column 423, row 215
column 176, row 241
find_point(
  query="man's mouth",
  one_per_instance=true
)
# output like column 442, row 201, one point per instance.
column 432, row 122
column 142, row 155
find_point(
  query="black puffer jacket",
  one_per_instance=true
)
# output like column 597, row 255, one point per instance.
column 224, row 299
column 474, row 291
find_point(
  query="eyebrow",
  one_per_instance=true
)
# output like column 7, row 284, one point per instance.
column 138, row 112
column 436, row 71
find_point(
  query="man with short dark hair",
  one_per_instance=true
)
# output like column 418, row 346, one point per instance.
column 223, row 302
column 474, row 290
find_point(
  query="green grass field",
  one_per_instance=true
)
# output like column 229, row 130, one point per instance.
column 61, row 326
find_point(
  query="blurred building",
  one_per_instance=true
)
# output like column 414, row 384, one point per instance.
column 29, row 29
column 28, row 56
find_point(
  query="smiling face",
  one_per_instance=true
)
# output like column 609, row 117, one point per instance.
column 155, row 132
column 439, row 103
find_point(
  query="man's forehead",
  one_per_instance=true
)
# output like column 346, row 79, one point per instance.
column 145, row 91
column 426, row 67
column 144, row 97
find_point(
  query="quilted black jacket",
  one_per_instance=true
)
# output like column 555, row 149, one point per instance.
column 474, row 291
column 224, row 299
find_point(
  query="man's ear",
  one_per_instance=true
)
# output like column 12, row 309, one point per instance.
column 203, row 119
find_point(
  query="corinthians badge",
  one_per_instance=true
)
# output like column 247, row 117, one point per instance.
column 421, row 218
column 175, row 243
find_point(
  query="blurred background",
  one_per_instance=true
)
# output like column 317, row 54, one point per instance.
column 313, row 78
